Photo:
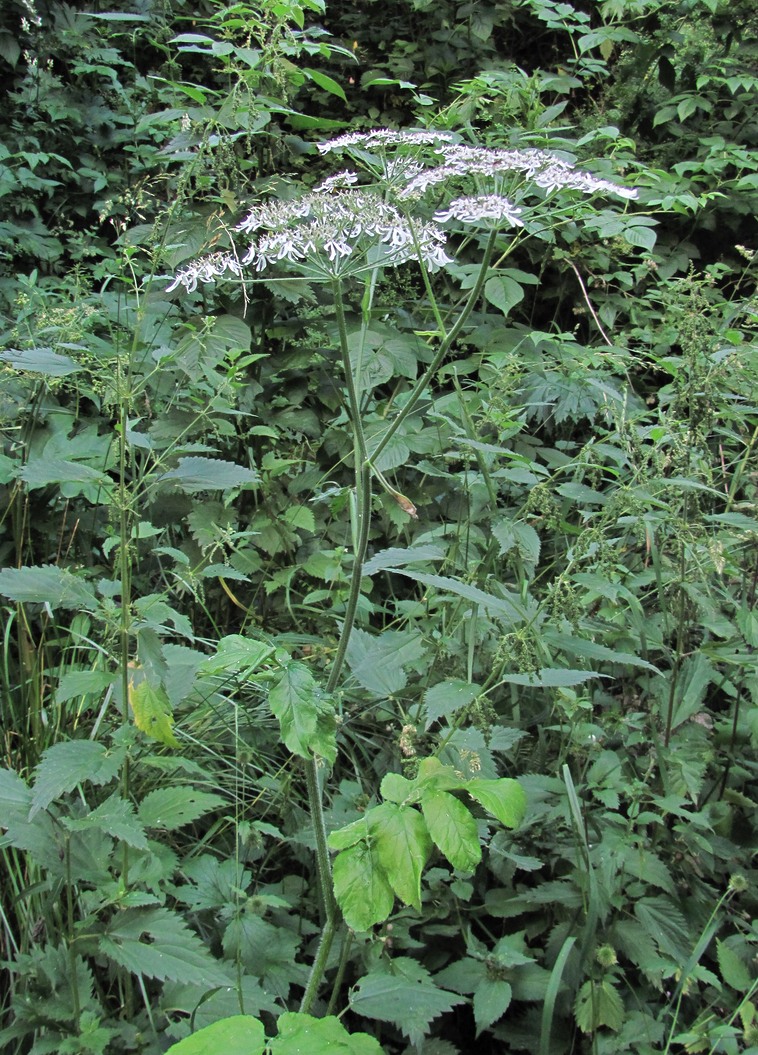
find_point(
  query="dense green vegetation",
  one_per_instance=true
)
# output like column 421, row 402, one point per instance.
column 379, row 663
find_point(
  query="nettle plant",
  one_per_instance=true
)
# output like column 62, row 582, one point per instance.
column 407, row 198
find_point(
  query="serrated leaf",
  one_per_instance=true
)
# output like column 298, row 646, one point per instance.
column 515, row 534
column 115, row 817
column 40, row 361
column 396, row 788
column 666, row 925
column 361, row 888
column 398, row 557
column 237, row 654
column 452, row 828
column 403, row 846
column 552, row 678
column 209, row 474
column 172, row 808
column 378, row 661
column 237, row 1035
column 173, row 951
column 49, row 585
column 447, row 697
column 14, row 792
column 43, row 471
column 67, row 764
column 305, row 717
column 599, row 1004
column 492, row 998
column 152, row 712
column 299, row 1033
column 733, row 971
column 508, row 608
column 350, row 835
column 82, row 683
column 503, row 798
column 404, row 995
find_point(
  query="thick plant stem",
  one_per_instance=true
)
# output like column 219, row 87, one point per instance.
column 363, row 518
column 325, row 882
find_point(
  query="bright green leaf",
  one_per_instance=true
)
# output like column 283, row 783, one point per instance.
column 361, row 888
column 504, row 799
column 152, row 712
column 403, row 846
column 238, row 1035
column 452, row 828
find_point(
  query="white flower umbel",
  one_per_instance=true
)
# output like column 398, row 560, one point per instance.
column 483, row 209
column 343, row 229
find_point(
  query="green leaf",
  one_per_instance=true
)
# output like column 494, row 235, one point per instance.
column 238, row 1035
column 325, row 82
column 452, row 828
column 172, row 808
column 509, row 608
column 238, row 655
column 733, row 971
column 599, row 1004
column 209, row 474
column 378, row 660
column 305, row 717
column 503, row 292
column 350, row 835
column 115, row 817
column 152, row 712
column 40, row 361
column 396, row 788
column 42, row 471
column 449, row 696
column 553, row 678
column 666, row 925
column 397, row 557
column 504, row 799
column 492, row 997
column 512, row 534
column 82, row 683
column 49, row 585
column 403, row 846
column 299, row 1033
column 173, row 951
column 67, row 764
column 402, row 993
column 361, row 887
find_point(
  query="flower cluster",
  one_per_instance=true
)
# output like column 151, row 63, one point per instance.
column 344, row 228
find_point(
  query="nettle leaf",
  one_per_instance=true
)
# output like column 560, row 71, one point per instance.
column 361, row 887
column 236, row 654
column 666, row 925
column 449, row 696
column 209, row 474
column 504, row 799
column 305, row 716
column 82, row 683
column 492, row 998
column 508, row 608
column 43, row 471
column 397, row 557
column 171, row 951
column 47, row 584
column 67, row 764
column 152, row 712
column 403, row 846
column 733, row 971
column 319, row 1036
column 404, row 994
column 378, row 661
column 553, row 678
column 519, row 536
column 599, row 1004
column 172, row 808
column 238, row 1035
column 117, row 818
column 40, row 361
column 452, row 828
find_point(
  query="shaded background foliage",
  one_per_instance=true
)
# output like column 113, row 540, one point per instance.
column 589, row 448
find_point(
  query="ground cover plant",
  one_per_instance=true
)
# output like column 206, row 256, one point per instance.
column 378, row 529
